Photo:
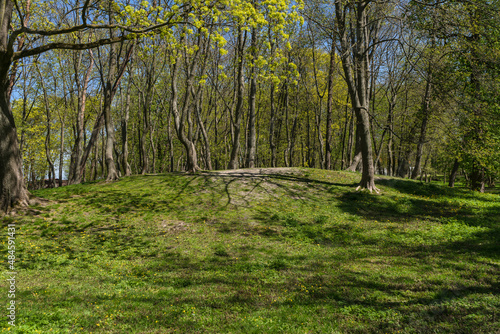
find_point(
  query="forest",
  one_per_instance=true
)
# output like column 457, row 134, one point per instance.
column 250, row 166
column 103, row 89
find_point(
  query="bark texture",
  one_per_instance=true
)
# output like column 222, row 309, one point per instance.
column 12, row 188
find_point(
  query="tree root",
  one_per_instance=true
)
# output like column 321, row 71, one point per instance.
column 112, row 177
column 371, row 189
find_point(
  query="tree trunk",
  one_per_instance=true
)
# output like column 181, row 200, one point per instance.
column 329, row 109
column 368, row 173
column 390, row 142
column 12, row 188
column 52, row 173
column 252, row 136
column 357, row 74
column 343, row 161
column 93, row 165
column 355, row 162
column 294, row 131
column 378, row 152
column 145, row 130
column 453, row 174
column 112, row 173
column 403, row 166
column 180, row 116
column 99, row 122
column 238, row 114
column 358, row 155
column 477, row 179
column 272, row 130
column 170, row 144
column 201, row 126
column 319, row 136
column 124, row 131
column 61, row 155
column 75, row 174
column 350, row 141
column 110, row 86
column 423, row 129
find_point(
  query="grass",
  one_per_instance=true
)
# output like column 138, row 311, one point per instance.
column 292, row 252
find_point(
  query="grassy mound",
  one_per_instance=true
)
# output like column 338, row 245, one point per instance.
column 257, row 251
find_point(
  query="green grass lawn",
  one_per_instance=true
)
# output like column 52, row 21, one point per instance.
column 297, row 251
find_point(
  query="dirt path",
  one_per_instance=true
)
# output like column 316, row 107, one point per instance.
column 257, row 171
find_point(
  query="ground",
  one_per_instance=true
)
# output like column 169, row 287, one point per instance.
column 256, row 251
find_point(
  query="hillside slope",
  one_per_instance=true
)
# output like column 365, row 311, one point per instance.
column 257, row 251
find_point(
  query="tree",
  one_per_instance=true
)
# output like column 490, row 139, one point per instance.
column 471, row 32
column 15, row 26
column 358, row 24
column 77, row 165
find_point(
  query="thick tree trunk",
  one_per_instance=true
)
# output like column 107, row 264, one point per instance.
column 112, row 173
column 12, row 188
column 368, row 173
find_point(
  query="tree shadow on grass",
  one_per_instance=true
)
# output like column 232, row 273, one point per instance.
column 222, row 287
column 484, row 237
column 429, row 190
column 226, row 286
